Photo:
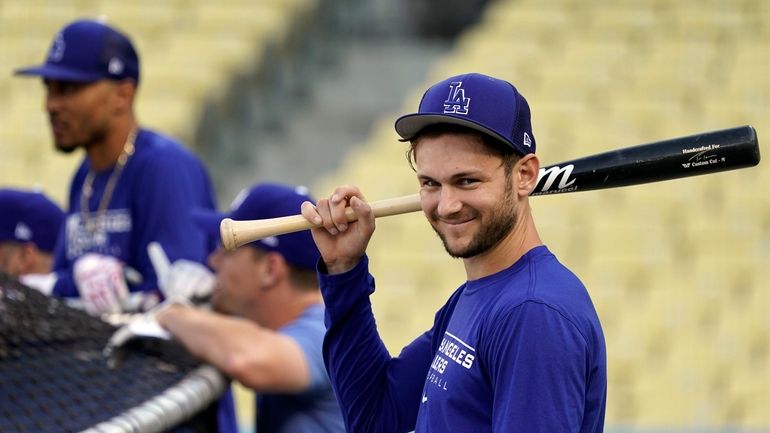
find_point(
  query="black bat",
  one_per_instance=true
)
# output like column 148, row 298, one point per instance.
column 693, row 155
column 709, row 152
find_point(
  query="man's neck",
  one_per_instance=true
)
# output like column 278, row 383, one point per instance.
column 103, row 155
column 44, row 264
column 291, row 308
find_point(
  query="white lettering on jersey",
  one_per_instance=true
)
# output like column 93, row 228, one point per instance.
column 80, row 240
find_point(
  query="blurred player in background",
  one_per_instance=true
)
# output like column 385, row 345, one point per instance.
column 268, row 326
column 134, row 186
column 29, row 225
column 518, row 347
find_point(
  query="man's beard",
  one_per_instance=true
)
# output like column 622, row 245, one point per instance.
column 98, row 136
column 219, row 303
column 500, row 223
column 64, row 149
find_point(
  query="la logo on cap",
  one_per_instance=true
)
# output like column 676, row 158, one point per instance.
column 57, row 49
column 456, row 103
column 22, row 232
column 271, row 241
column 115, row 66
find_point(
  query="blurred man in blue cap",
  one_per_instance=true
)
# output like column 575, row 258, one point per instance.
column 134, row 188
column 29, row 226
column 268, row 327
column 134, row 185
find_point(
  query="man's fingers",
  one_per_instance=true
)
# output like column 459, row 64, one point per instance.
column 340, row 201
column 132, row 275
column 325, row 212
column 364, row 212
column 310, row 213
column 141, row 326
column 331, row 213
column 338, row 205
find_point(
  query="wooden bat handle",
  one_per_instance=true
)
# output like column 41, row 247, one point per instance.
column 237, row 233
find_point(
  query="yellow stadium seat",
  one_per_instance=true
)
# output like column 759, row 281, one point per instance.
column 249, row 20
column 693, row 22
column 143, row 20
column 48, row 17
column 625, row 23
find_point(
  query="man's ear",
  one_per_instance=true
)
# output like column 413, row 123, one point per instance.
column 274, row 269
column 28, row 254
column 527, row 173
column 28, row 249
column 125, row 91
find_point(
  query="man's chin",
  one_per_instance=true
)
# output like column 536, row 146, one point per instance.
column 454, row 248
column 63, row 148
column 220, row 306
column 459, row 254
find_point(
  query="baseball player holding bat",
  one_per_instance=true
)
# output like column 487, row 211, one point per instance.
column 518, row 347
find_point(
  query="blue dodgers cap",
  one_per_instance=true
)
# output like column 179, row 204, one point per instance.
column 86, row 51
column 29, row 216
column 486, row 104
column 269, row 200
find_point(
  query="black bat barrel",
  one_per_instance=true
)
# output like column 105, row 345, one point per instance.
column 693, row 155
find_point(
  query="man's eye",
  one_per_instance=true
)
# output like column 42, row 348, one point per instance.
column 71, row 88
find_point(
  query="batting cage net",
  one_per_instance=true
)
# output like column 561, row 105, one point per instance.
column 54, row 377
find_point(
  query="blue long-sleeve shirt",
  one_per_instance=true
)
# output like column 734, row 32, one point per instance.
column 152, row 199
column 518, row 351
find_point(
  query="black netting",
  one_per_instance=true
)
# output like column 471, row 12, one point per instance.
column 54, row 378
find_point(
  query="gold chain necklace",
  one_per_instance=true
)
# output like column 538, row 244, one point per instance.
column 88, row 186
